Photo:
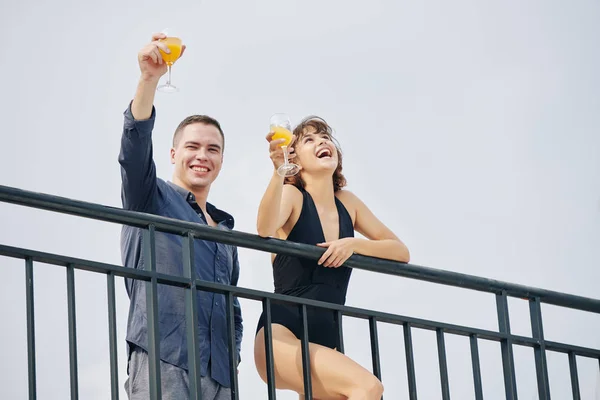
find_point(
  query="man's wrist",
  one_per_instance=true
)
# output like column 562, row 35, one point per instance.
column 149, row 80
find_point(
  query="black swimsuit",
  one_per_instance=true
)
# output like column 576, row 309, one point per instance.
column 301, row 277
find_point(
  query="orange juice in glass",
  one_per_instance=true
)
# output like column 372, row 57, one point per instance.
column 282, row 133
column 175, row 46
column 282, row 129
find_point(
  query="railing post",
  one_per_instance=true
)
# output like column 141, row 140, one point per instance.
column 476, row 368
column 268, row 332
column 72, row 331
column 232, row 346
column 112, row 336
column 31, row 370
column 340, row 330
column 441, row 345
column 410, row 362
column 305, row 355
column 541, row 366
column 375, row 348
column 149, row 244
column 191, row 318
column 574, row 376
column 508, row 362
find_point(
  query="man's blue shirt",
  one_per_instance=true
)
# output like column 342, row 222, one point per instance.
column 214, row 262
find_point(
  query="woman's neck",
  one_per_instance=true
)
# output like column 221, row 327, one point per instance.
column 320, row 189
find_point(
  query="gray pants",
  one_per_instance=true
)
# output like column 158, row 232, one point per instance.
column 174, row 381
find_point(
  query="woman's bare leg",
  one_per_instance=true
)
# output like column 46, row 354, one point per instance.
column 334, row 375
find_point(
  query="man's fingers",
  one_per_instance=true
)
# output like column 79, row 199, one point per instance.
column 158, row 36
column 162, row 46
column 157, row 57
column 151, row 55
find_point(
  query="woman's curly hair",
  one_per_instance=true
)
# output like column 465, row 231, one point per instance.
column 319, row 126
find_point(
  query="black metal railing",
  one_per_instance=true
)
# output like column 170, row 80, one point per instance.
column 191, row 231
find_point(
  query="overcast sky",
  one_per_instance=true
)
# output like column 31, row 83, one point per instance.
column 472, row 129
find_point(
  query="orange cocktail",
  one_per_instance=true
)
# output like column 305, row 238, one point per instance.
column 281, row 127
column 174, row 44
column 282, row 133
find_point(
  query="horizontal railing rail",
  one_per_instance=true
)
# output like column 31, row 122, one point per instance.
column 252, row 294
column 273, row 245
column 190, row 231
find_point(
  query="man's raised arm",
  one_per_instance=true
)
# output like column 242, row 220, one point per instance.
column 138, row 172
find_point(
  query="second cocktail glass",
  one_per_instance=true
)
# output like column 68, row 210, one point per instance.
column 282, row 128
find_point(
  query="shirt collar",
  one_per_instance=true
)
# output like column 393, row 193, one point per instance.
column 217, row 215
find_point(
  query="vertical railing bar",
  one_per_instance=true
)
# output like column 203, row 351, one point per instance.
column 305, row 355
column 112, row 336
column 72, row 322
column 537, row 330
column 410, row 362
column 476, row 368
column 232, row 347
column 31, row 369
column 191, row 318
column 339, row 324
column 441, row 345
column 268, row 332
column 149, row 244
column 375, row 348
column 574, row 376
column 508, row 362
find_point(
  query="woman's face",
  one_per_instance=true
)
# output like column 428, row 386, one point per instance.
column 315, row 152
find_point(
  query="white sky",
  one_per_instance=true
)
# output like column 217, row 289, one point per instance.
column 472, row 129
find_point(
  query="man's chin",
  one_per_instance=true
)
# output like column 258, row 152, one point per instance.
column 200, row 183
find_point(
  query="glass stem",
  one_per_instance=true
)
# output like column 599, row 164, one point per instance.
column 169, row 76
column 285, row 155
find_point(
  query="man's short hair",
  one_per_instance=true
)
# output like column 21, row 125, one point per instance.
column 197, row 119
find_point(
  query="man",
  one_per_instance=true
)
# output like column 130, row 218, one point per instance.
column 197, row 155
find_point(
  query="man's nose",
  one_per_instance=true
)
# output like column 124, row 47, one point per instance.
column 201, row 154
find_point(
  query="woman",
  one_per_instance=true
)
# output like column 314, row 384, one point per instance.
column 311, row 207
